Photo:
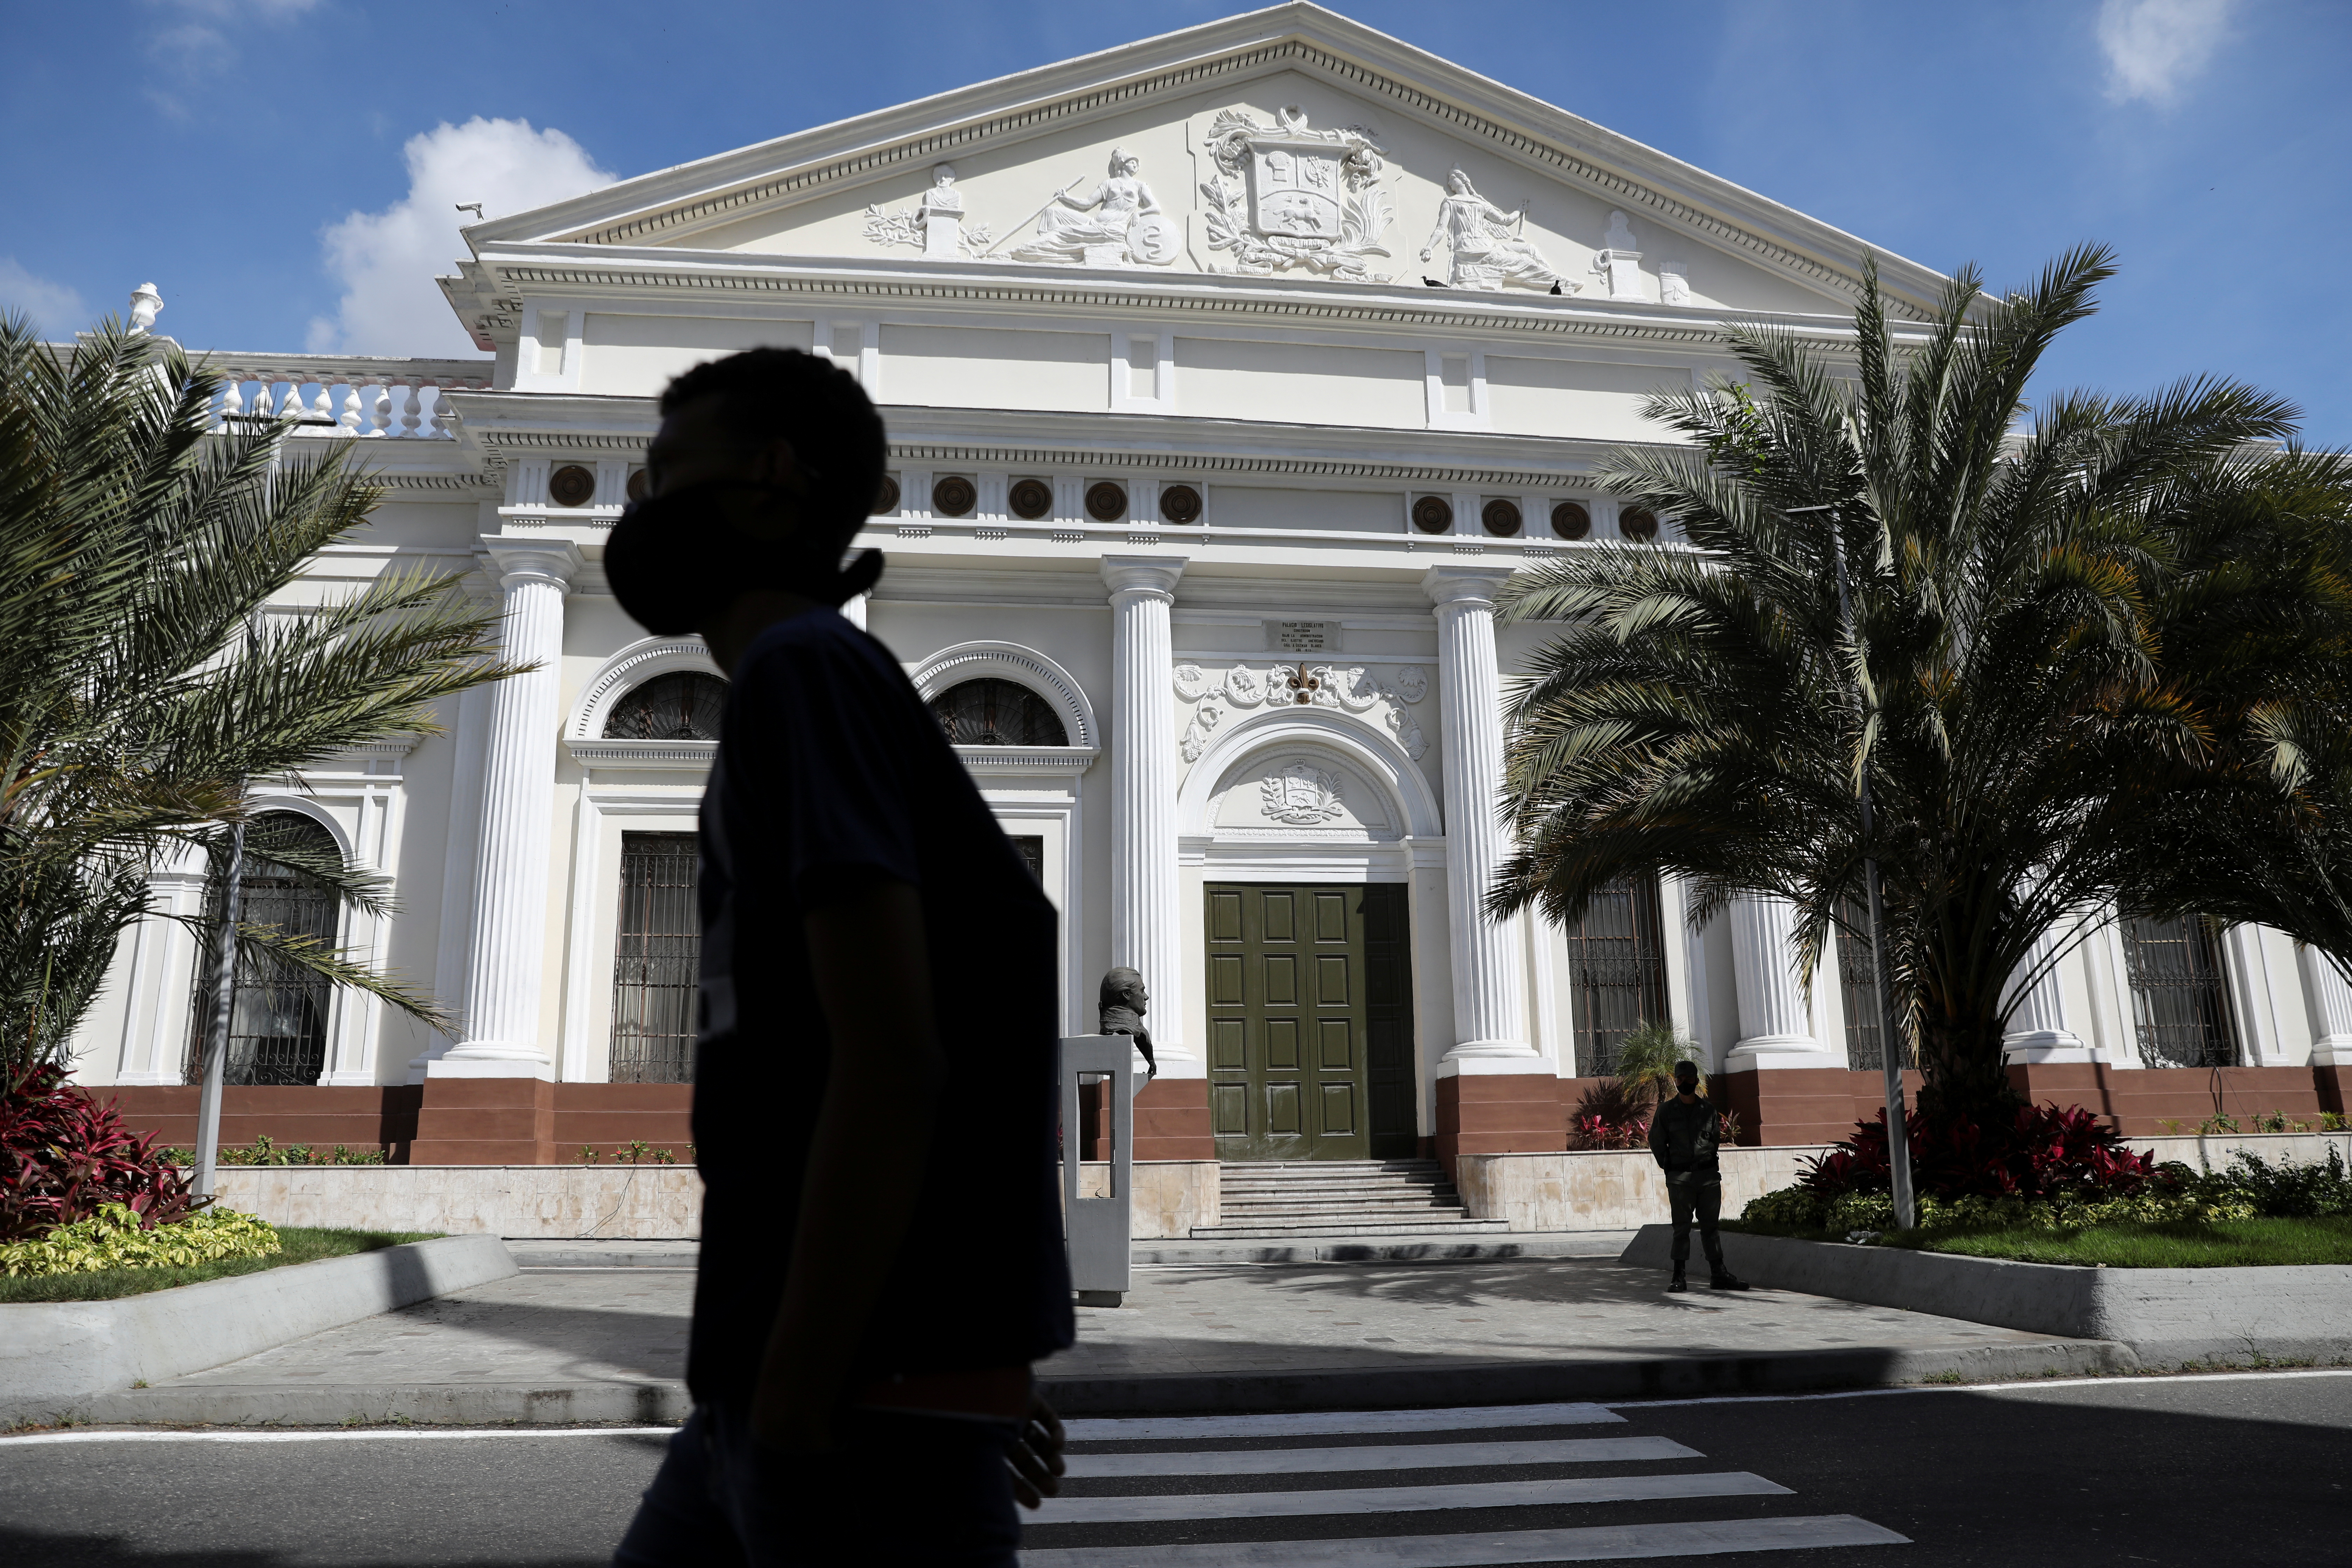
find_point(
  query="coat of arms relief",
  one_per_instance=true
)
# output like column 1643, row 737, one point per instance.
column 1285, row 197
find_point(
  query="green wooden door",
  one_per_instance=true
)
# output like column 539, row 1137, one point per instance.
column 1309, row 1040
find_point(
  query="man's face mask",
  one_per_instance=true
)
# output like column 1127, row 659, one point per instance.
column 677, row 559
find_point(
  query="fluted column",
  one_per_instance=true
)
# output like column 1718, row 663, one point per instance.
column 1489, row 976
column 2331, row 1008
column 1144, row 919
column 1775, row 1020
column 508, row 955
column 2037, row 1024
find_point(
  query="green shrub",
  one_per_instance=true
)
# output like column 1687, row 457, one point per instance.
column 264, row 1151
column 111, row 1239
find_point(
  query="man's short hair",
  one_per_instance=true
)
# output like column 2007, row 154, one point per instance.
column 1686, row 1067
column 836, row 435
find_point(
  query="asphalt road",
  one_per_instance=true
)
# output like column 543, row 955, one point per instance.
column 2179, row 1470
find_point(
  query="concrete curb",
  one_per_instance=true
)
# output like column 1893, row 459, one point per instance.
column 2165, row 1315
column 1386, row 1388
column 57, row 1356
column 1531, row 1382
column 650, row 1404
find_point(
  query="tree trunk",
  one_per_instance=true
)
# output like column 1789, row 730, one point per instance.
column 1962, row 1060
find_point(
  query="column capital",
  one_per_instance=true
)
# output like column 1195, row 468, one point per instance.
column 533, row 557
column 1472, row 587
column 1144, row 573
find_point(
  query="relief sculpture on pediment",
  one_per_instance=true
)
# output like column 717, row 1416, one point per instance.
column 1284, row 198
column 1118, row 224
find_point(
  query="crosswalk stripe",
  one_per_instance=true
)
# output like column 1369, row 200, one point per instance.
column 1401, row 1499
column 1489, row 1549
column 1387, row 1456
column 1334, row 1422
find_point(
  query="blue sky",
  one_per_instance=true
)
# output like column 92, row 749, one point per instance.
column 283, row 170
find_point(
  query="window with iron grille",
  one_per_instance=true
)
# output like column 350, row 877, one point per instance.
column 2179, row 1006
column 277, row 1017
column 681, row 707
column 655, row 961
column 1032, row 847
column 1617, row 963
column 1865, row 1031
column 998, row 713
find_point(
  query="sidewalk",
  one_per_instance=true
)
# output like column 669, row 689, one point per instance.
column 575, row 1339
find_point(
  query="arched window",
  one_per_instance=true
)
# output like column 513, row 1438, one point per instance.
column 681, row 707
column 278, row 1021
column 998, row 713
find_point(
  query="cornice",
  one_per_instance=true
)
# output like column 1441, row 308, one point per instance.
column 1120, row 294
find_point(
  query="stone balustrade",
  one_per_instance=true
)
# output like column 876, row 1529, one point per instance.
column 334, row 394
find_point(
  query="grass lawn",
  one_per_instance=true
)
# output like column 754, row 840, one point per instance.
column 299, row 1245
column 2224, row 1244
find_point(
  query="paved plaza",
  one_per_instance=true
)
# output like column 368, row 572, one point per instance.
column 608, row 1343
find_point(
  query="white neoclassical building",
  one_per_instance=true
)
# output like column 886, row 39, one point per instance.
column 1227, row 374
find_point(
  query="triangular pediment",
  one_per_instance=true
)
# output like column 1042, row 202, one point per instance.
column 1286, row 143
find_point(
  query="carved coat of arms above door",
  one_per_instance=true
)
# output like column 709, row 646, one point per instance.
column 1285, row 197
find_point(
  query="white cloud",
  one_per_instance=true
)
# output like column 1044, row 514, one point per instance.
column 387, row 260
column 196, row 48
column 2155, row 47
column 55, row 308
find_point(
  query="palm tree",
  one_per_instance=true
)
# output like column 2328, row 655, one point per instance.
column 2052, row 630
column 140, row 682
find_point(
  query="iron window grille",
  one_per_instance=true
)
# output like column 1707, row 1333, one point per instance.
column 998, row 713
column 1618, row 967
column 1865, row 1034
column 657, row 960
column 2180, row 1008
column 681, row 707
column 278, row 1013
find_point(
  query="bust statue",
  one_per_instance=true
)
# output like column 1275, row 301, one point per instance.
column 1123, row 1002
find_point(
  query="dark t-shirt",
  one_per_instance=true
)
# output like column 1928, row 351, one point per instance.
column 832, row 772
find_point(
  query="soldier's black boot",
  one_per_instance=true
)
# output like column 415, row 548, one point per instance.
column 1678, row 1283
column 1725, row 1280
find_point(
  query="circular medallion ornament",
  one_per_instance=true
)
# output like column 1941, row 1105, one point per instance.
column 638, row 481
column 1638, row 523
column 1152, row 239
column 1571, row 520
column 952, row 495
column 1106, row 501
column 572, row 485
column 1432, row 514
column 1500, row 516
column 886, row 496
column 1179, row 503
column 1030, row 499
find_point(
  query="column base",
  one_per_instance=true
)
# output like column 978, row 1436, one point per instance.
column 474, row 1119
column 1491, row 1059
column 1499, row 1113
column 1776, row 1051
column 2045, row 1047
column 490, row 1058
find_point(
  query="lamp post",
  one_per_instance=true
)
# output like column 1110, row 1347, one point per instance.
column 1898, row 1138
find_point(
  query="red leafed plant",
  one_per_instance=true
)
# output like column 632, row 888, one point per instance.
column 2044, row 1152
column 63, row 1155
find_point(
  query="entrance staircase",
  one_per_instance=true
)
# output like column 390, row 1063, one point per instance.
column 1278, row 1200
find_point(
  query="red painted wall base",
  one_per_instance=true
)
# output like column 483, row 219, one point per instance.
column 1172, row 1121
column 1499, row 1113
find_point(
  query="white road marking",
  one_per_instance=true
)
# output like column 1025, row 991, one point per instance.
column 1332, row 1423
column 337, row 1435
column 1386, row 1456
column 1591, row 1544
column 1401, row 1499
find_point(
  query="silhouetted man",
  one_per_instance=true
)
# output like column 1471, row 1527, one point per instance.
column 882, row 1254
column 1683, row 1136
